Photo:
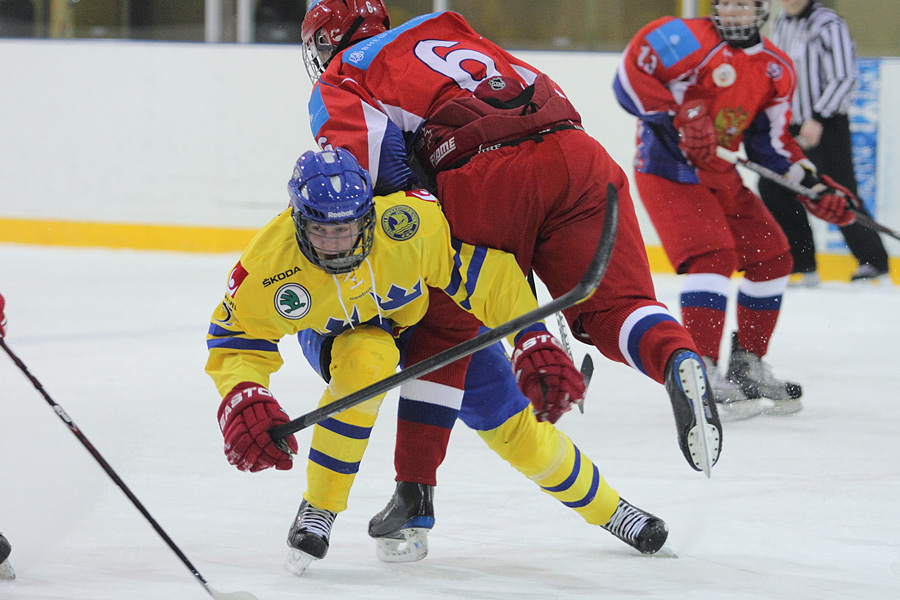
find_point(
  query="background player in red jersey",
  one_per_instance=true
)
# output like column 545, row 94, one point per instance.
column 504, row 151
column 696, row 84
column 6, row 571
column 2, row 317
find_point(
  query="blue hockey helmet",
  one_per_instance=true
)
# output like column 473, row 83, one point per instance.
column 333, row 209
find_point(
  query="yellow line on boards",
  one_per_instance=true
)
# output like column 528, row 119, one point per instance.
column 183, row 238
column 179, row 238
column 832, row 267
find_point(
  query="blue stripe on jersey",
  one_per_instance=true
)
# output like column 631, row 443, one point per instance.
column 472, row 274
column 455, row 277
column 567, row 483
column 361, row 54
column 754, row 303
column 242, row 344
column 637, row 334
column 625, row 100
column 426, row 413
column 673, row 42
column 704, row 300
column 758, row 144
column 222, row 332
column 318, row 113
column 589, row 497
column 345, row 429
column 333, row 464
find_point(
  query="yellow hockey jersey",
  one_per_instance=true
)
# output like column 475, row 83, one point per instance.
column 275, row 291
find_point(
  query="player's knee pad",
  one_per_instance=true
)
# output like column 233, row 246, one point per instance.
column 718, row 262
column 360, row 357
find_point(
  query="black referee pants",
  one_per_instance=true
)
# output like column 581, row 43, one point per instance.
column 833, row 157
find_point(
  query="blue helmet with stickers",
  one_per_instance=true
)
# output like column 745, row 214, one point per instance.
column 333, row 210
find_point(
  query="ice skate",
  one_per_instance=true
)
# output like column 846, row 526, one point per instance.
column 809, row 279
column 756, row 380
column 308, row 537
column 6, row 570
column 696, row 418
column 732, row 404
column 637, row 528
column 868, row 273
column 401, row 529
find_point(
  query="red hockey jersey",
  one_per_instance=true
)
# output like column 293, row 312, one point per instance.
column 747, row 90
column 374, row 97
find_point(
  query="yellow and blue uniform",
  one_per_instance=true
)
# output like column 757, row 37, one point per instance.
column 347, row 324
column 275, row 291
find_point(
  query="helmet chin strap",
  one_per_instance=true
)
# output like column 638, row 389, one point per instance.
column 751, row 41
column 345, row 40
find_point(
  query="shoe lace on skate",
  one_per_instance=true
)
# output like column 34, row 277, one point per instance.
column 317, row 521
column 627, row 522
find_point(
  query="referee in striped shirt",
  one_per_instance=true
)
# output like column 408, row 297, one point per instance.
column 819, row 43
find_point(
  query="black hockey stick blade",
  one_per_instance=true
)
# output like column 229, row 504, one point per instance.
column 581, row 292
column 766, row 173
column 61, row 413
column 587, row 371
column 867, row 221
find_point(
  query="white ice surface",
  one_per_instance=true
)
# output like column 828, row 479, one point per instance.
column 799, row 507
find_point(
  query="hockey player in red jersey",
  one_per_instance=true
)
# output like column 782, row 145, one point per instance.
column 6, row 570
column 2, row 317
column 696, row 84
column 356, row 270
column 433, row 103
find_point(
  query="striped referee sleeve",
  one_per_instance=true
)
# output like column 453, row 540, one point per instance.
column 819, row 43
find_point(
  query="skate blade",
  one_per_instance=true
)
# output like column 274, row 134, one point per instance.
column 739, row 410
column 780, row 407
column 664, row 552
column 703, row 439
column 297, row 561
column 704, row 448
column 6, row 571
column 412, row 546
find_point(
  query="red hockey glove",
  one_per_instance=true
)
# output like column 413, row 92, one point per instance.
column 2, row 317
column 833, row 202
column 697, row 132
column 546, row 375
column 245, row 417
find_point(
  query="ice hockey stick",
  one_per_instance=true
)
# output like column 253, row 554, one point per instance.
column 118, row 481
column 582, row 291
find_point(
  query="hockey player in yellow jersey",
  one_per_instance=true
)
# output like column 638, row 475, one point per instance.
column 352, row 275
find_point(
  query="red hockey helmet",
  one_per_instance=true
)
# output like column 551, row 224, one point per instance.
column 332, row 25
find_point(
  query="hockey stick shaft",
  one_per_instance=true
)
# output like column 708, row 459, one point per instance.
column 61, row 413
column 582, row 291
column 766, row 173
